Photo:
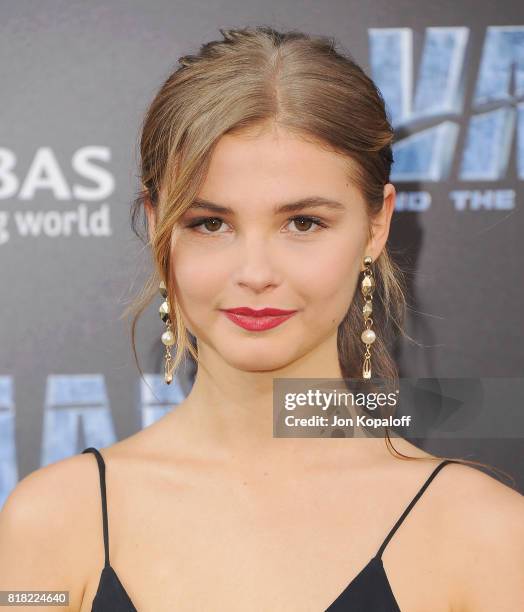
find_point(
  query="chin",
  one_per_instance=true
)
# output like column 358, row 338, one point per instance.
column 258, row 361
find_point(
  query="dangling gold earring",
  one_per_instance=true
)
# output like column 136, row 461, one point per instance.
column 168, row 339
column 368, row 336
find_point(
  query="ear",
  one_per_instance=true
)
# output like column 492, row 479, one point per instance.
column 380, row 224
column 151, row 217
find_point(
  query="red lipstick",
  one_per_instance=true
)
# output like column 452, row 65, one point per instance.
column 258, row 320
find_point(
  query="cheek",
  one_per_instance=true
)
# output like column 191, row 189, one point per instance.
column 197, row 283
column 329, row 278
column 198, row 277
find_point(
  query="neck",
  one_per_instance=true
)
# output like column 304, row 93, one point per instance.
column 231, row 410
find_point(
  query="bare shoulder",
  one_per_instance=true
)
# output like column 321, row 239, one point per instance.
column 477, row 522
column 481, row 499
column 43, row 546
column 484, row 526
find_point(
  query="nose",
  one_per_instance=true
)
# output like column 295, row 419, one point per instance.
column 256, row 268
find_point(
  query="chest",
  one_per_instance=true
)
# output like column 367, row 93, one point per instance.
column 220, row 544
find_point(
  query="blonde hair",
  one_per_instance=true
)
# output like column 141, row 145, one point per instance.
column 253, row 77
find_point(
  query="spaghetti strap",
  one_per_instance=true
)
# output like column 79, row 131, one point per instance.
column 102, row 473
column 412, row 503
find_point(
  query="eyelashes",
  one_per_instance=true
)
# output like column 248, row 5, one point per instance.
column 202, row 221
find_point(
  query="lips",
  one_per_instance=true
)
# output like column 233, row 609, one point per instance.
column 263, row 312
column 258, row 320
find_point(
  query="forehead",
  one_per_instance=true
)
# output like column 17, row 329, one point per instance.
column 272, row 166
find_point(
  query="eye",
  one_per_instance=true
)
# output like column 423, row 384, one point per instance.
column 210, row 223
column 304, row 223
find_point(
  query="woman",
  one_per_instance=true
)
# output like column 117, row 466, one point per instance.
column 265, row 171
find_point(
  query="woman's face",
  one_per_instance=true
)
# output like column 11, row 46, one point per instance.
column 307, row 259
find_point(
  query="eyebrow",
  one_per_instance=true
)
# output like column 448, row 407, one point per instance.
column 303, row 203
